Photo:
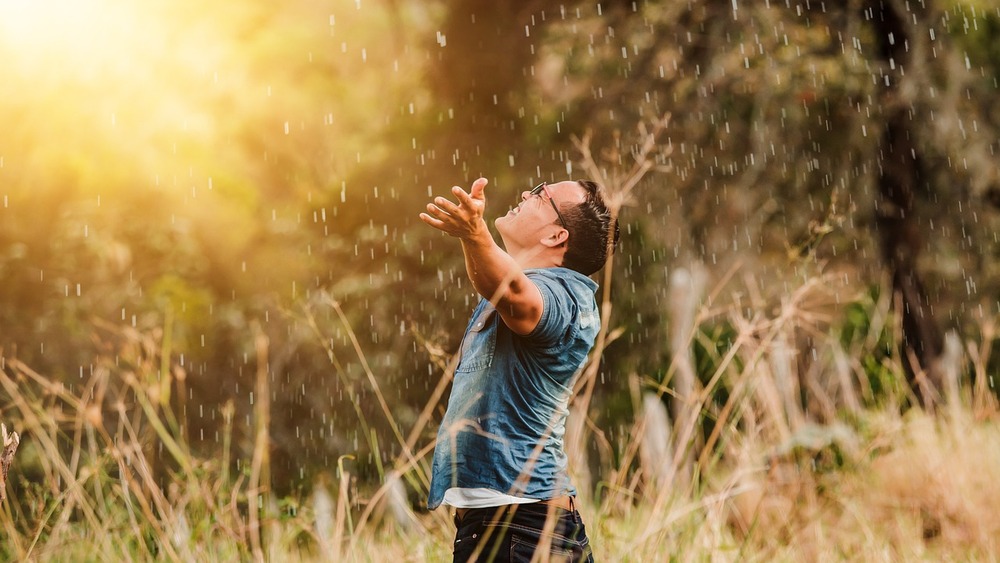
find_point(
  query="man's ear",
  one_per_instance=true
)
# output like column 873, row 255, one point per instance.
column 557, row 238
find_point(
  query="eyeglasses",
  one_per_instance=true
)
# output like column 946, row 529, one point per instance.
column 537, row 190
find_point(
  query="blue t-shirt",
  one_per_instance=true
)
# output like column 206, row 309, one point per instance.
column 506, row 416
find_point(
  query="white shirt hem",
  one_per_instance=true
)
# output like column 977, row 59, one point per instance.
column 459, row 497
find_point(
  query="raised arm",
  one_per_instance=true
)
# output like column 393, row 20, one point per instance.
column 493, row 272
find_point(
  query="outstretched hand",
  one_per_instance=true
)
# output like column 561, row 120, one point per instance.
column 463, row 219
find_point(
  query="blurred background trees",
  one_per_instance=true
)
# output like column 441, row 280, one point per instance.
column 202, row 173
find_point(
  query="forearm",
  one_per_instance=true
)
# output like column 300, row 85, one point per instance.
column 491, row 270
column 498, row 277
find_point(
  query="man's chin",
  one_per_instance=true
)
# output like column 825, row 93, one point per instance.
column 503, row 226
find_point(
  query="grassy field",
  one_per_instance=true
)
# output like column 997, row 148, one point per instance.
column 916, row 488
column 847, row 474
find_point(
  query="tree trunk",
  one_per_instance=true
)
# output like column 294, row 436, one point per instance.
column 486, row 53
column 900, row 175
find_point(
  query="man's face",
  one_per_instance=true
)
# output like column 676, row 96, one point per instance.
column 534, row 218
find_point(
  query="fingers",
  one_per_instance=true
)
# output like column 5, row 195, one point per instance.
column 476, row 193
column 478, row 187
column 447, row 216
column 437, row 212
column 464, row 198
column 437, row 224
column 446, row 205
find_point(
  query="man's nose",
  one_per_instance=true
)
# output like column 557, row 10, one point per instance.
column 525, row 195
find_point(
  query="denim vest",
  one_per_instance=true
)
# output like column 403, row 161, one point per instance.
column 503, row 429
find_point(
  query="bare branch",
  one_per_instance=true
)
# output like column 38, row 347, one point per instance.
column 618, row 187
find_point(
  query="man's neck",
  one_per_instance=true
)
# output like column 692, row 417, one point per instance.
column 538, row 257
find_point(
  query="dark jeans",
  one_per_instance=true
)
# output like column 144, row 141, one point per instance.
column 513, row 532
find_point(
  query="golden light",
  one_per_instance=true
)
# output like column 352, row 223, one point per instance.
column 169, row 89
column 99, row 81
column 66, row 36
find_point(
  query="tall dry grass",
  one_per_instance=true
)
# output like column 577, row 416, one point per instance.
column 111, row 474
column 791, row 465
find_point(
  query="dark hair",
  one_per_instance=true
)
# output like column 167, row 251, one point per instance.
column 589, row 224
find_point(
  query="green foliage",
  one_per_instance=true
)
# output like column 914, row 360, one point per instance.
column 710, row 345
column 974, row 27
column 866, row 333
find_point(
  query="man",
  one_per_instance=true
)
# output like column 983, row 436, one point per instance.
column 499, row 458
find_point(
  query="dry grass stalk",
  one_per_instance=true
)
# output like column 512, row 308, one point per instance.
column 408, row 464
column 685, row 296
column 769, row 393
column 260, row 481
column 621, row 483
column 618, row 184
column 784, row 402
column 618, row 180
column 323, row 523
column 343, row 508
column 842, row 371
column 984, row 402
column 407, row 449
column 10, row 443
column 397, row 503
column 949, row 365
column 655, row 444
